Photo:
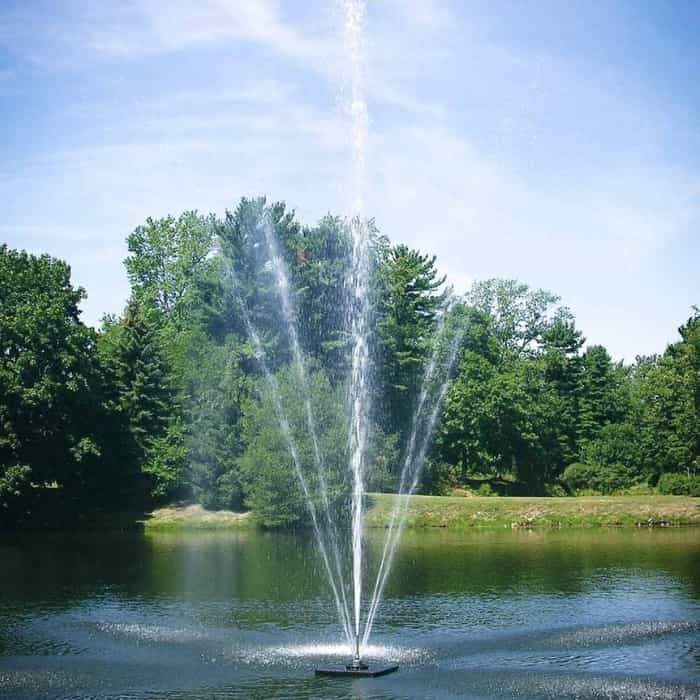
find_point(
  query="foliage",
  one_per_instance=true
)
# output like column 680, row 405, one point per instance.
column 382, row 458
column 408, row 301
column 615, row 444
column 485, row 490
column 599, row 478
column 165, row 462
column 167, row 259
column 441, row 478
column 15, row 492
column 497, row 419
column 679, row 484
column 51, row 386
column 168, row 401
column 555, row 490
column 218, row 388
column 268, row 472
column 144, row 398
column 600, row 403
column 518, row 316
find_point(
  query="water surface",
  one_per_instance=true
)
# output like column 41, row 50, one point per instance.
column 605, row 614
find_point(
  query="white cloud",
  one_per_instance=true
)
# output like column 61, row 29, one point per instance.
column 184, row 24
column 493, row 159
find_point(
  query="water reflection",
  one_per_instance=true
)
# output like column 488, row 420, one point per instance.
column 588, row 614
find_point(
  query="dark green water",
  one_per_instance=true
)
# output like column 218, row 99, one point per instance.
column 604, row 614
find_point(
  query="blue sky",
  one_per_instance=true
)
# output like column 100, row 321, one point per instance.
column 554, row 142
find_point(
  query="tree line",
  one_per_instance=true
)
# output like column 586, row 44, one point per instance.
column 167, row 402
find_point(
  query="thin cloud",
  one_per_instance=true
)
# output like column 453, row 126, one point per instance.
column 503, row 159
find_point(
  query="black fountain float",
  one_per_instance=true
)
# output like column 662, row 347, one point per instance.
column 357, row 668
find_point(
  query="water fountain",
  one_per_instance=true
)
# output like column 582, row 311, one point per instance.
column 434, row 386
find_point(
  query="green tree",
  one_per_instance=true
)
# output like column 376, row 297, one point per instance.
column 218, row 388
column 145, row 399
column 512, row 408
column 408, row 300
column 249, row 278
column 497, row 421
column 319, row 260
column 601, row 400
column 519, row 316
column 658, row 431
column 268, row 473
column 684, row 360
column 51, row 386
column 561, row 344
column 168, row 261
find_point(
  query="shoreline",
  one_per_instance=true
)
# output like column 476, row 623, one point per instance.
column 475, row 513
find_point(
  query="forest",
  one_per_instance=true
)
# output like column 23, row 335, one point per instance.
column 165, row 402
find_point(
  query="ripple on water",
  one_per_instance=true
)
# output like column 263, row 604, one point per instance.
column 604, row 635
column 296, row 655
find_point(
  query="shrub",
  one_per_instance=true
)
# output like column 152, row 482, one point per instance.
column 643, row 489
column 555, row 490
column 603, row 478
column 674, row 484
column 441, row 478
column 577, row 476
column 384, row 462
column 166, row 465
column 270, row 474
column 15, row 491
column 228, row 491
column 485, row 490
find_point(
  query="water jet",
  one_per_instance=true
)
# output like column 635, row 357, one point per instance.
column 345, row 578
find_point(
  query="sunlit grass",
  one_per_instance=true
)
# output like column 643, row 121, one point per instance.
column 460, row 512
column 506, row 512
column 195, row 517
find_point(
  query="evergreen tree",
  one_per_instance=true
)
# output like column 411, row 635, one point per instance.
column 600, row 400
column 561, row 343
column 408, row 300
column 145, row 399
column 218, row 389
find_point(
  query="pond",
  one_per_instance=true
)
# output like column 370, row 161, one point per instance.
column 612, row 614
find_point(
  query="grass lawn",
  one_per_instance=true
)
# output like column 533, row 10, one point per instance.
column 500, row 512
column 458, row 512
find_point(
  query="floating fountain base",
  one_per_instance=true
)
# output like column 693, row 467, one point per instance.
column 360, row 670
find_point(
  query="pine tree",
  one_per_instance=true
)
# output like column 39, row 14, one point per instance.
column 408, row 301
column 598, row 400
column 563, row 373
column 141, row 376
column 145, row 400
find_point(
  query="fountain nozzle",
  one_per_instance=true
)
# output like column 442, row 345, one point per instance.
column 357, row 668
column 356, row 664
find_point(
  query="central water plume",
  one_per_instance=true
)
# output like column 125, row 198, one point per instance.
column 446, row 338
column 355, row 12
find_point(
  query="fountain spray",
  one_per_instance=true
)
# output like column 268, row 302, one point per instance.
column 354, row 16
column 358, row 312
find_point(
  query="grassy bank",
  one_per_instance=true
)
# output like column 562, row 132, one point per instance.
column 456, row 512
column 496, row 512
column 195, row 517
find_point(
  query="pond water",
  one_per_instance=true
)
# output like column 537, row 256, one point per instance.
column 607, row 614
